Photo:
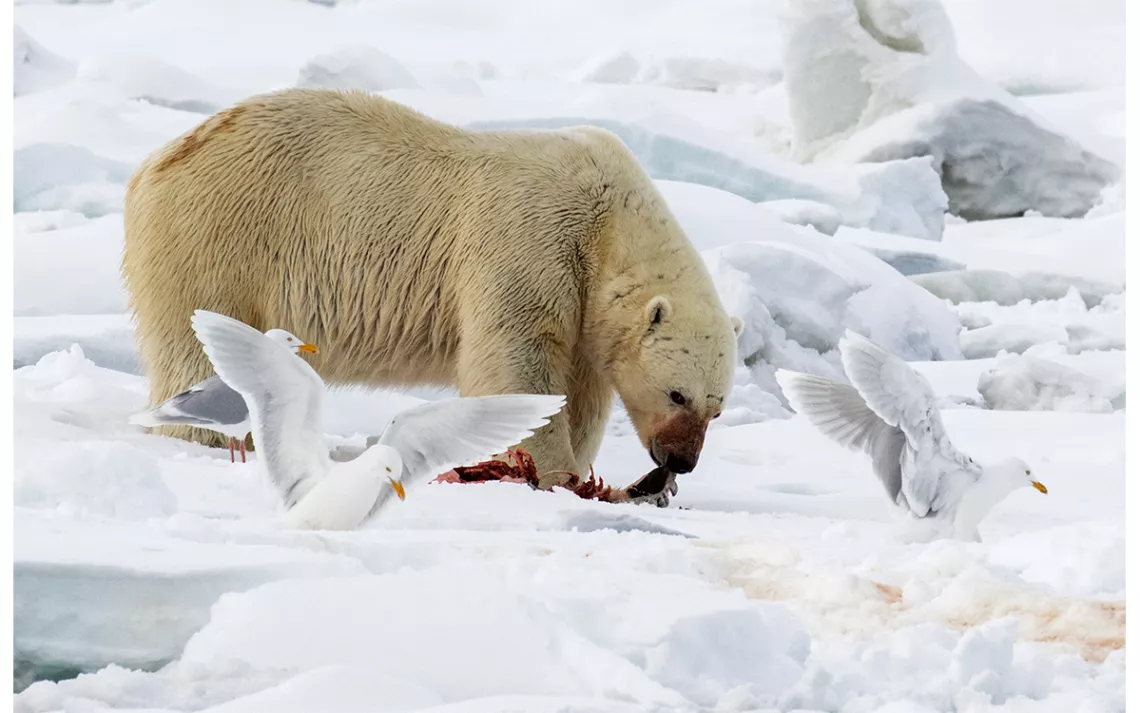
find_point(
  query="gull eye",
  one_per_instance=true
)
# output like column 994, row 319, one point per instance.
column 1027, row 471
column 677, row 397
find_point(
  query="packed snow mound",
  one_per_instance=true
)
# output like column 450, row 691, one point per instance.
column 994, row 162
column 610, row 68
column 135, row 593
column 106, row 340
column 149, row 79
column 706, row 74
column 68, row 392
column 35, row 68
column 848, row 64
column 901, row 197
column 1030, row 383
column 1083, row 560
column 750, row 402
column 66, row 177
column 747, row 652
column 689, row 73
column 1084, row 337
column 1015, row 338
column 119, row 129
column 798, row 211
column 914, row 262
column 97, row 478
column 356, row 67
column 882, row 80
column 994, row 339
column 1006, row 289
column 248, row 627
column 455, row 81
column 71, row 271
column 1111, row 201
column 990, row 341
column 797, row 298
column 1071, row 250
column 1065, row 326
column 796, row 291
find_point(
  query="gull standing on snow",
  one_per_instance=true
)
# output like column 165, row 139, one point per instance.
column 285, row 395
column 213, row 405
column 891, row 414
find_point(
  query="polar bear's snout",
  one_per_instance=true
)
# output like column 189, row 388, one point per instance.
column 677, row 444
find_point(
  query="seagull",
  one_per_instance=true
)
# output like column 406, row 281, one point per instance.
column 890, row 413
column 213, row 405
column 285, row 400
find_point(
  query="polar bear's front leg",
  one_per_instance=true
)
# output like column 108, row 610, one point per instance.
column 588, row 408
column 526, row 365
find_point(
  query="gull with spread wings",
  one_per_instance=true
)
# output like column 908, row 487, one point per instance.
column 890, row 412
column 285, row 397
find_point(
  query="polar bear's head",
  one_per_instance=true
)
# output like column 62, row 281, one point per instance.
column 674, row 375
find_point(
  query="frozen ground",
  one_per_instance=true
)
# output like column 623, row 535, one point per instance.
column 151, row 574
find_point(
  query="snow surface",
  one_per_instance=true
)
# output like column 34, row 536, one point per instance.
column 1030, row 383
column 35, row 67
column 882, row 80
column 356, row 67
column 901, row 197
column 779, row 579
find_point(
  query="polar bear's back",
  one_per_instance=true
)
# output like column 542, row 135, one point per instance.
column 332, row 212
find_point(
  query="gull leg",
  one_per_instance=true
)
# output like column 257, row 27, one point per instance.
column 231, row 444
column 242, row 444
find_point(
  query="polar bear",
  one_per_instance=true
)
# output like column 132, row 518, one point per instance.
column 413, row 252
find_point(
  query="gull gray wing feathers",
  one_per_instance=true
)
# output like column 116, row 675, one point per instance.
column 841, row 414
column 210, row 402
column 283, row 394
column 891, row 388
column 903, row 398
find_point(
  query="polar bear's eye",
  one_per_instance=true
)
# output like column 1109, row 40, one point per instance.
column 677, row 397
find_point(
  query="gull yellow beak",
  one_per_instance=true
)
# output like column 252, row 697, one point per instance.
column 398, row 487
column 310, row 348
column 1040, row 487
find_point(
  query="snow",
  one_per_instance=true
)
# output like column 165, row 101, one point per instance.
column 1029, row 383
column 36, row 68
column 1010, row 260
column 901, row 197
column 1003, row 288
column 915, row 262
column 1067, row 324
column 880, row 81
column 356, row 67
column 151, row 80
column 989, row 158
column 84, row 258
column 695, row 73
column 548, row 570
column 799, row 211
column 106, row 339
column 151, row 574
column 51, row 177
column 763, row 269
column 610, row 68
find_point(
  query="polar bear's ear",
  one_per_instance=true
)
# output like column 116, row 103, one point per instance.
column 657, row 311
column 737, row 325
